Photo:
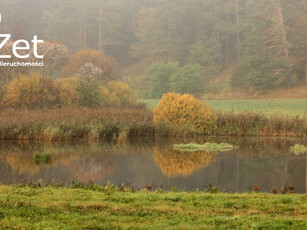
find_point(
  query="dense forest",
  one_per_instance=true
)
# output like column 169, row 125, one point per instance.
column 263, row 43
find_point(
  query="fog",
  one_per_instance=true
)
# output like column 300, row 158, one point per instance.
column 239, row 44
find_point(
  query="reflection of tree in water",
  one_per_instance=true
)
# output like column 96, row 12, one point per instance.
column 84, row 164
column 88, row 166
column 22, row 162
column 175, row 163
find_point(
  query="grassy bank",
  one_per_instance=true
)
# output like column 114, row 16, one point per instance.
column 75, row 123
column 109, row 208
column 288, row 107
column 123, row 124
column 253, row 124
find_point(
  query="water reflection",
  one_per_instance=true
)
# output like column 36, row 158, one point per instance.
column 175, row 163
column 266, row 163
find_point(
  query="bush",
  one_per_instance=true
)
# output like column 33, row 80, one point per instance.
column 68, row 94
column 185, row 110
column 113, row 94
column 84, row 61
column 122, row 91
column 89, row 94
column 40, row 92
column 32, row 92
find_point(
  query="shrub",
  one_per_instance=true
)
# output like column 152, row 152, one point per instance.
column 40, row 92
column 68, row 94
column 89, row 94
column 83, row 61
column 32, row 92
column 105, row 97
column 185, row 110
column 122, row 93
column 94, row 94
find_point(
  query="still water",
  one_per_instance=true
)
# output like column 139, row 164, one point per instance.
column 263, row 162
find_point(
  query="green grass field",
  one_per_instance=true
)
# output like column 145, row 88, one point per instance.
column 63, row 208
column 288, row 107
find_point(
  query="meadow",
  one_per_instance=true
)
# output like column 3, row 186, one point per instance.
column 286, row 107
column 110, row 207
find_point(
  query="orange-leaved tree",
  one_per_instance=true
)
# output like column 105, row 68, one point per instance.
column 84, row 61
column 185, row 110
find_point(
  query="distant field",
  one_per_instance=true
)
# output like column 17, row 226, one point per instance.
column 289, row 107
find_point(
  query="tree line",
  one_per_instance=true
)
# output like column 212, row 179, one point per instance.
column 264, row 41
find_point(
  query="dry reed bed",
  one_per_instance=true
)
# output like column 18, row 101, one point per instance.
column 72, row 123
column 255, row 124
column 122, row 124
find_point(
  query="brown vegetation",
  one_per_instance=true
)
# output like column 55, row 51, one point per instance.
column 107, row 65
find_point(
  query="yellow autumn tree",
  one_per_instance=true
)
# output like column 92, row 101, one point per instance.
column 31, row 92
column 185, row 110
column 68, row 94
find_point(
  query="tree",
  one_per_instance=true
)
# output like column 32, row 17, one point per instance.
column 87, row 60
column 56, row 56
column 187, row 80
column 263, row 66
column 159, row 75
column 207, row 55
column 32, row 92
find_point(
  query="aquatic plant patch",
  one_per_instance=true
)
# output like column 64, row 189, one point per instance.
column 207, row 147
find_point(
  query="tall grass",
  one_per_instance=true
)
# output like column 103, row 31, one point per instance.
column 123, row 124
column 75, row 123
column 255, row 124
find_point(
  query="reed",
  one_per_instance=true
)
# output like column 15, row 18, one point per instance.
column 122, row 124
column 75, row 123
column 257, row 124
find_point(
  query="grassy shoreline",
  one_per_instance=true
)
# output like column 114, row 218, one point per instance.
column 112, row 208
column 121, row 125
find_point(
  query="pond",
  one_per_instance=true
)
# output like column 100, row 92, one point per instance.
column 263, row 162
